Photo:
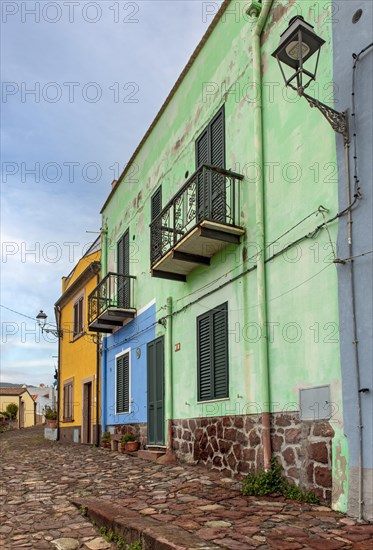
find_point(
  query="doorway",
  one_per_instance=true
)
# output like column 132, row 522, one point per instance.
column 155, row 363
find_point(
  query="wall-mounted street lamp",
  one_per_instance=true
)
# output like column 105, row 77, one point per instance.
column 42, row 322
column 297, row 45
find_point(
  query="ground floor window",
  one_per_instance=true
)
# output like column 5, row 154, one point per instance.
column 212, row 354
column 122, row 382
column 68, row 400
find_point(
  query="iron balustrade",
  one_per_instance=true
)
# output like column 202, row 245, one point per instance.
column 114, row 291
column 211, row 194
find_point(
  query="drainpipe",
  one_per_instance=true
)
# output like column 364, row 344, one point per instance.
column 169, row 392
column 261, row 15
column 97, row 380
column 104, row 232
column 57, row 313
column 103, row 385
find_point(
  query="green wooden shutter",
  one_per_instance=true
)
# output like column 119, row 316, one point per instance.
column 202, row 157
column 156, row 203
column 212, row 354
column 122, row 382
column 123, row 268
column 156, row 209
column 220, row 359
column 218, row 201
column 204, row 344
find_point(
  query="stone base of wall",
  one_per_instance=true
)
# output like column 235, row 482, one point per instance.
column 232, row 445
column 140, row 429
column 67, row 433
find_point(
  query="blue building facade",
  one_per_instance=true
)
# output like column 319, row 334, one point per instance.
column 125, row 354
column 353, row 52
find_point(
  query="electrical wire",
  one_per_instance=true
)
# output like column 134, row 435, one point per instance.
column 18, row 313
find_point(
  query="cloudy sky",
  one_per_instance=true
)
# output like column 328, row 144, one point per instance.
column 81, row 82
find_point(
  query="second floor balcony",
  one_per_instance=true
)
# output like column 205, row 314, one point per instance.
column 200, row 220
column 110, row 304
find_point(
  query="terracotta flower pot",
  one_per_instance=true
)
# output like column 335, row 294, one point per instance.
column 52, row 424
column 132, row 446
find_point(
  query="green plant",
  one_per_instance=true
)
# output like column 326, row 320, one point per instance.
column 83, row 510
column 106, row 437
column 266, row 483
column 128, row 437
column 135, row 546
column 12, row 411
column 50, row 413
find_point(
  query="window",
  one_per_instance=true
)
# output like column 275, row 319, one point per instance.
column 212, row 354
column 123, row 266
column 123, row 384
column 210, row 146
column 79, row 317
column 156, row 205
column 68, row 400
column 156, row 208
column 210, row 150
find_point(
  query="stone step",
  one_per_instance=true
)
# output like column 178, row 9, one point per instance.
column 150, row 455
column 133, row 527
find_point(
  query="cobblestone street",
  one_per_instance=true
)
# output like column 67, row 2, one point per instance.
column 41, row 478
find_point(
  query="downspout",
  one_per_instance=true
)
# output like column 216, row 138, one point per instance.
column 97, row 381
column 261, row 13
column 104, row 233
column 103, row 385
column 57, row 313
column 170, row 457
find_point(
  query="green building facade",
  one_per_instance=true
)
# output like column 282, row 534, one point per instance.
column 227, row 202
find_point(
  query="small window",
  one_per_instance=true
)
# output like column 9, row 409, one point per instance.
column 68, row 400
column 79, row 317
column 156, row 205
column 123, row 384
column 212, row 354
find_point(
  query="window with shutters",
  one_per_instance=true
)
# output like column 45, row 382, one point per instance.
column 212, row 354
column 122, row 383
column 156, row 209
column 210, row 150
column 78, row 320
column 68, row 400
column 123, row 267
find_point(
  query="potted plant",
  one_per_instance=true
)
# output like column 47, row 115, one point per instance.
column 106, row 440
column 50, row 417
column 129, row 443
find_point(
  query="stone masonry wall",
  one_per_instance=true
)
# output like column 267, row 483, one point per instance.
column 140, row 429
column 232, row 445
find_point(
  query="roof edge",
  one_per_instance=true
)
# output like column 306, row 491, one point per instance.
column 173, row 91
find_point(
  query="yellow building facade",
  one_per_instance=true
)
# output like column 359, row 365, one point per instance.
column 79, row 357
column 26, row 416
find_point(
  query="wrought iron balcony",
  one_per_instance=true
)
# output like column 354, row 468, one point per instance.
column 110, row 304
column 201, row 219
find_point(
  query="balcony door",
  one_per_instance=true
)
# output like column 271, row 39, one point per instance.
column 123, row 268
column 211, row 188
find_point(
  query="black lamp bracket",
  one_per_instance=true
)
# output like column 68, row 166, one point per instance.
column 338, row 121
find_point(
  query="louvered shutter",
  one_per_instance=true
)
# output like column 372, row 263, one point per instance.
column 204, row 358
column 220, row 359
column 122, row 397
column 123, row 265
column 212, row 354
column 156, row 209
column 210, row 149
column 76, row 319
column 202, row 157
column 217, row 144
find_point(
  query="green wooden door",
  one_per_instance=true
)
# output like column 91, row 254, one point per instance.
column 156, row 392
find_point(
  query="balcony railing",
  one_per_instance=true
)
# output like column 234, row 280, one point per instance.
column 210, row 194
column 110, row 303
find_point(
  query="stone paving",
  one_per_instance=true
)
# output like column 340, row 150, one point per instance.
column 40, row 478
